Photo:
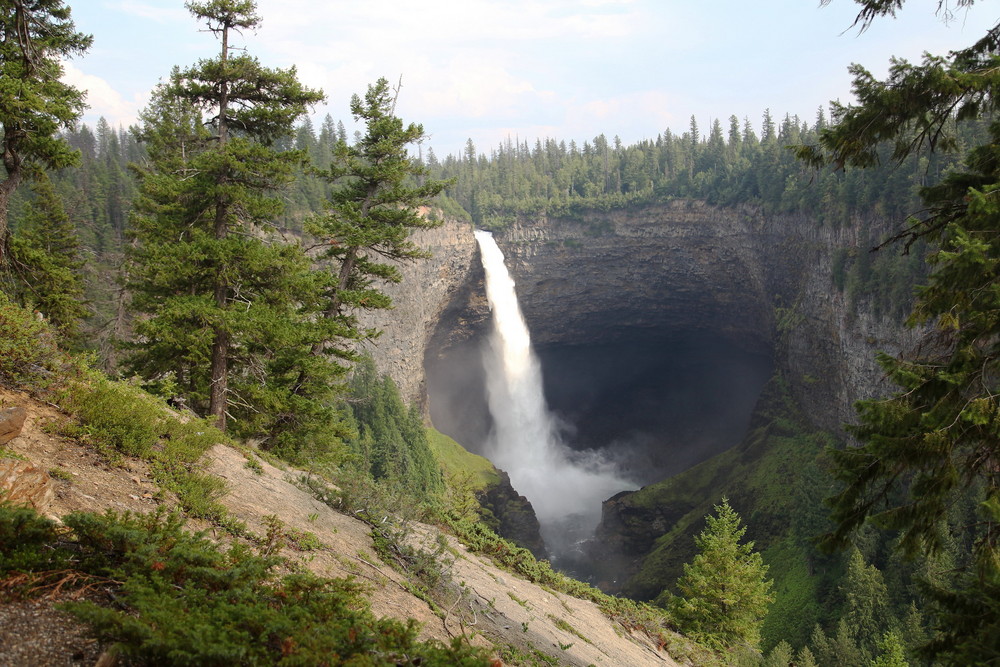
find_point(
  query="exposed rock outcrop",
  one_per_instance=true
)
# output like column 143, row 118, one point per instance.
column 427, row 288
column 492, row 607
column 11, row 423
column 22, row 483
column 514, row 516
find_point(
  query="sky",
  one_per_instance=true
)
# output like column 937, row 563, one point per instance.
column 490, row 70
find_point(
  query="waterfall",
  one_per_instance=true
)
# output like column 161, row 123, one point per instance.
column 565, row 488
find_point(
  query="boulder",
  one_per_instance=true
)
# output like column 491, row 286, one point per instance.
column 11, row 423
column 23, row 483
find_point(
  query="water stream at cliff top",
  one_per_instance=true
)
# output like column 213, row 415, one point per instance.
column 565, row 488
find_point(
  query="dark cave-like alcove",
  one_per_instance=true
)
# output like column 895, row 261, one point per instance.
column 655, row 403
column 654, row 349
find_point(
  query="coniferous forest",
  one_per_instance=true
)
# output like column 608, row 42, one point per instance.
column 216, row 256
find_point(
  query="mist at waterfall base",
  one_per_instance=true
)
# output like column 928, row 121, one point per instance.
column 565, row 487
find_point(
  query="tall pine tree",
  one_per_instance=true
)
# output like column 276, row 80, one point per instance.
column 228, row 301
column 376, row 204
column 938, row 439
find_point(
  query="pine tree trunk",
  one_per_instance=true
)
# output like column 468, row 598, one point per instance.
column 7, row 187
column 220, row 377
column 219, row 397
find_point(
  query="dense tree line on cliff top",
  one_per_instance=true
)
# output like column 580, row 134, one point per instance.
column 728, row 165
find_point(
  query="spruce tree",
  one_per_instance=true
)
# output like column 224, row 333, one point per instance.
column 45, row 261
column 866, row 603
column 937, row 440
column 890, row 652
column 724, row 592
column 35, row 35
column 376, row 204
column 779, row 656
column 228, row 301
column 804, row 658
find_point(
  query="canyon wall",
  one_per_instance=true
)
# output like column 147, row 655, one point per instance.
column 634, row 281
column 427, row 289
column 762, row 282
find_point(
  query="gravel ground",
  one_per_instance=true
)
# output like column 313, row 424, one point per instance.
column 35, row 634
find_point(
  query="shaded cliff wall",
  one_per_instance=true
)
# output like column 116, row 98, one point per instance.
column 659, row 273
column 761, row 282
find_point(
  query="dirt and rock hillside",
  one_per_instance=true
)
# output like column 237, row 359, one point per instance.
column 519, row 621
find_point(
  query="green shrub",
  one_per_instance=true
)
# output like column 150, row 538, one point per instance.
column 115, row 415
column 23, row 536
column 176, row 598
column 29, row 355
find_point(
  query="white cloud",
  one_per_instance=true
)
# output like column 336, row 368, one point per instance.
column 471, row 87
column 645, row 112
column 103, row 99
column 443, row 22
column 153, row 12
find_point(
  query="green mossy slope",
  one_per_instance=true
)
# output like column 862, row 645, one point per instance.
column 775, row 479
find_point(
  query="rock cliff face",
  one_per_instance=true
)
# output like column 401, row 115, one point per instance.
column 707, row 284
column 761, row 283
column 668, row 274
column 428, row 287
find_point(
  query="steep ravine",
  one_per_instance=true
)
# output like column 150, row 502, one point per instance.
column 695, row 305
column 661, row 277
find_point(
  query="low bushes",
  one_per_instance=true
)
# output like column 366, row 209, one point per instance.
column 177, row 598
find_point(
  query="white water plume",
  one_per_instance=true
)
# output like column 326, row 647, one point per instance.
column 565, row 488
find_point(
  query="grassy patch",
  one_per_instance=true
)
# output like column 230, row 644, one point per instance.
column 119, row 419
column 456, row 461
column 523, row 603
column 565, row 626
column 796, row 609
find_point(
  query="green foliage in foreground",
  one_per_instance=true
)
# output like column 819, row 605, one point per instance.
column 119, row 419
column 116, row 418
column 34, row 103
column 181, row 599
column 926, row 447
